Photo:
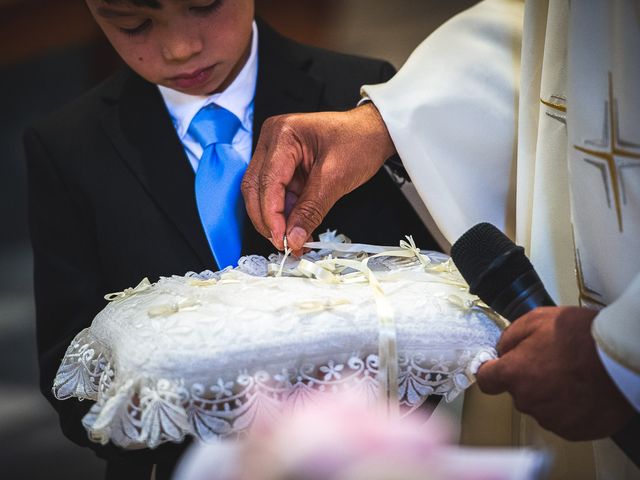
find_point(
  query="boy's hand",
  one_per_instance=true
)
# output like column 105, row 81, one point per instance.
column 550, row 366
column 304, row 163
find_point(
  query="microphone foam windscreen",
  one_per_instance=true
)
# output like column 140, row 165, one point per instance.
column 488, row 260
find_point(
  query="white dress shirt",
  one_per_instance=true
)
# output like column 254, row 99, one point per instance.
column 237, row 98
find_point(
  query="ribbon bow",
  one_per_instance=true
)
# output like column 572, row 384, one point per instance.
column 410, row 245
column 145, row 284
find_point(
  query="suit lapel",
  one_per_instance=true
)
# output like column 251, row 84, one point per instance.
column 141, row 131
column 283, row 86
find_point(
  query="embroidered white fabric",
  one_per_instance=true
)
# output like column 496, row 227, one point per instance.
column 209, row 354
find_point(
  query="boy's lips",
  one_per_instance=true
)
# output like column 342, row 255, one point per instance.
column 194, row 79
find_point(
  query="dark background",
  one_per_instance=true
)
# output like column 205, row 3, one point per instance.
column 50, row 52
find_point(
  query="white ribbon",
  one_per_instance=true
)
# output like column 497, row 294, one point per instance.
column 329, row 270
column 287, row 252
column 145, row 284
column 387, row 343
column 169, row 309
column 315, row 306
column 348, row 247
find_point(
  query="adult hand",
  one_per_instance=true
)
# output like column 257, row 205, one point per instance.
column 304, row 163
column 549, row 364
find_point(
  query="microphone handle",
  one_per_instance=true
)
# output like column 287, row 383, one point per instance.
column 524, row 294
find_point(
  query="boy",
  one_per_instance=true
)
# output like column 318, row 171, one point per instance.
column 113, row 184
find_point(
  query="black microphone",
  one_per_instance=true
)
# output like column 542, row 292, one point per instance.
column 498, row 271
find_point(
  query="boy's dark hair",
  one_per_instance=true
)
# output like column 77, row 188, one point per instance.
column 137, row 3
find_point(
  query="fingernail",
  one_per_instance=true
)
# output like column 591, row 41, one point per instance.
column 297, row 237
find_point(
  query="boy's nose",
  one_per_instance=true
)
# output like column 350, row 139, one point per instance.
column 181, row 47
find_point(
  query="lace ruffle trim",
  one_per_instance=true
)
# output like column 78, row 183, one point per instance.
column 146, row 412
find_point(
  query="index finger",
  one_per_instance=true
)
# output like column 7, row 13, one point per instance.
column 277, row 173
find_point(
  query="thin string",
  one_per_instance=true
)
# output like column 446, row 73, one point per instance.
column 287, row 252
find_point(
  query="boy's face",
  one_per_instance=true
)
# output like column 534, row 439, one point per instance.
column 193, row 46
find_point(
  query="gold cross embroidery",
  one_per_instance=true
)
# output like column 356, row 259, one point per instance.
column 611, row 146
column 587, row 295
column 558, row 104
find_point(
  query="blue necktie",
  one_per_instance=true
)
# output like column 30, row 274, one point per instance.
column 218, row 178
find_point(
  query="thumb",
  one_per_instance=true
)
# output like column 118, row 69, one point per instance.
column 312, row 206
column 492, row 377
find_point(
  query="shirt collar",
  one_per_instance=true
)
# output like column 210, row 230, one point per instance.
column 237, row 97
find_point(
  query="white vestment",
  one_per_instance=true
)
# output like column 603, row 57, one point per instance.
column 534, row 125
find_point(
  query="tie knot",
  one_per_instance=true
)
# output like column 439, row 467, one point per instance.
column 214, row 124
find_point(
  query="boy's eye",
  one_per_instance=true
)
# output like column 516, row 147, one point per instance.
column 138, row 29
column 205, row 9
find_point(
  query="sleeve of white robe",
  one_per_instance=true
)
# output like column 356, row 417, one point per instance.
column 452, row 113
column 616, row 330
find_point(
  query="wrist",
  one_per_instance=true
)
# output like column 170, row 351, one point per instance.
column 375, row 131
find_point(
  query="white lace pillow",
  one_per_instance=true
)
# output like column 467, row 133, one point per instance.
column 209, row 354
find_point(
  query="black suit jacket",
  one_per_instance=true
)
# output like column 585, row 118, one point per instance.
column 112, row 200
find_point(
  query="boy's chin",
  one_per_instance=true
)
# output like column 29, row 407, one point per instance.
column 204, row 84
column 194, row 92
column 199, row 92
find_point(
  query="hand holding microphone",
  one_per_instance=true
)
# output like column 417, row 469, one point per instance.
column 548, row 359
